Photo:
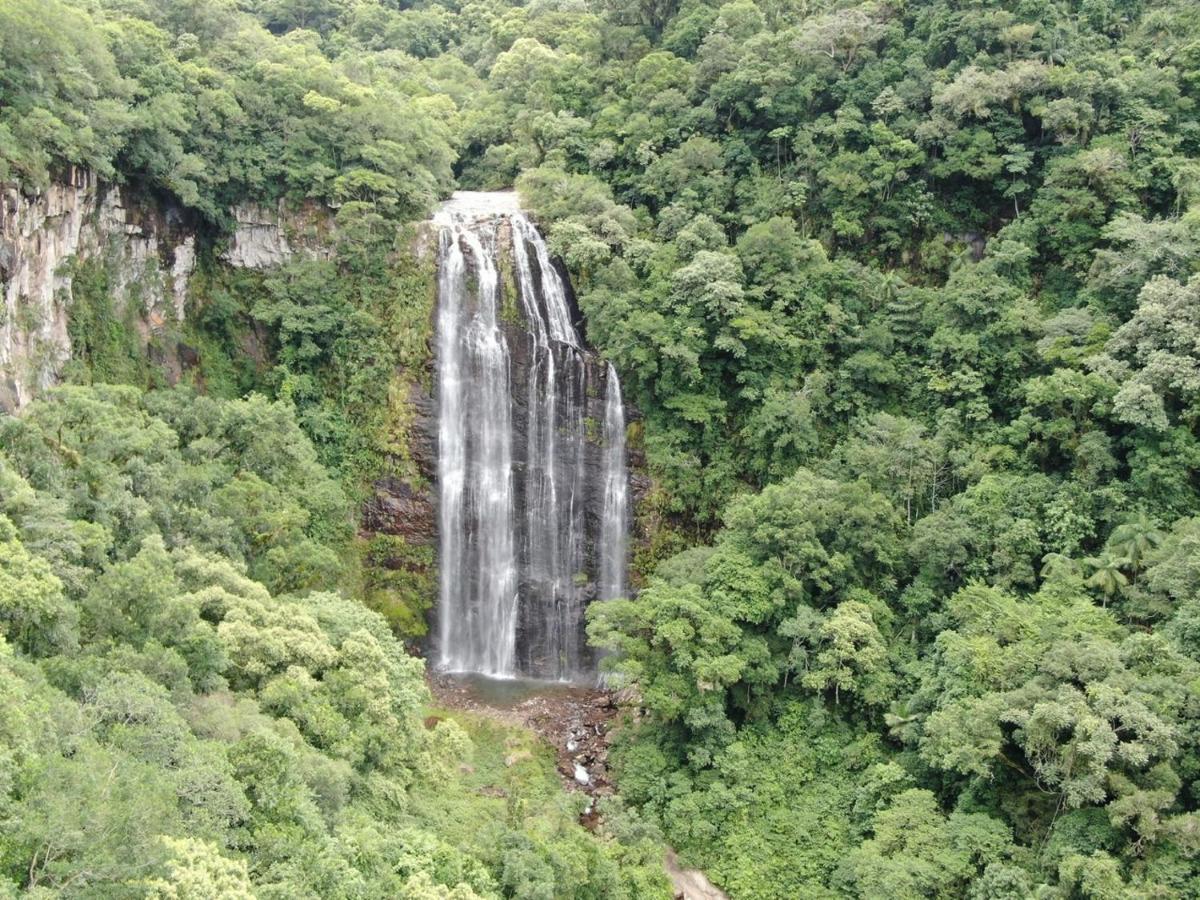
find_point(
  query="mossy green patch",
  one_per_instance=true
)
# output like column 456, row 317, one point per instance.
column 230, row 357
column 510, row 310
column 106, row 345
column 396, row 579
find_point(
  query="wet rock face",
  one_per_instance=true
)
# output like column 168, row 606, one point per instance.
column 537, row 609
column 401, row 509
column 403, row 505
column 585, row 386
column 403, row 500
column 512, row 321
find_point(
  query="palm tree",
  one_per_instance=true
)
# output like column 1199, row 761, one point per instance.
column 1057, row 565
column 1106, row 575
column 1054, row 44
column 1134, row 539
column 891, row 286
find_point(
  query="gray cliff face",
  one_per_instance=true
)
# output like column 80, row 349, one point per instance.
column 148, row 250
column 264, row 237
column 149, row 258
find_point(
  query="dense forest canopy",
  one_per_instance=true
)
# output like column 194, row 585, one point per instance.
column 908, row 295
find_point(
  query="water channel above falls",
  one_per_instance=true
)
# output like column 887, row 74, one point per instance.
column 532, row 472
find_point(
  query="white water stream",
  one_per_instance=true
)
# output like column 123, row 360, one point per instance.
column 532, row 514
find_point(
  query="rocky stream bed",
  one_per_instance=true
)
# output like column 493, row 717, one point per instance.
column 576, row 721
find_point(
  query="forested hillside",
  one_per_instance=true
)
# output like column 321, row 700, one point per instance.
column 907, row 293
column 191, row 709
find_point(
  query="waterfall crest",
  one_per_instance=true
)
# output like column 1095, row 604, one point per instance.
column 532, row 494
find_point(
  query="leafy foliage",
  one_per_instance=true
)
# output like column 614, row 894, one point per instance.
column 204, row 102
column 907, row 296
column 191, row 712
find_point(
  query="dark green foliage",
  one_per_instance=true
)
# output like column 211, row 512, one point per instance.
column 105, row 344
column 811, row 192
column 937, row 257
column 205, row 103
column 907, row 296
column 400, row 583
column 342, row 339
column 237, row 478
column 353, row 334
column 189, row 713
column 772, row 816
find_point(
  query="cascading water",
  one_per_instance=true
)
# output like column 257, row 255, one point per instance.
column 553, row 525
column 479, row 600
column 614, row 527
column 532, row 503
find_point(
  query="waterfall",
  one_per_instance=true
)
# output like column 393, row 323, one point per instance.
column 614, row 527
column 532, row 499
column 479, row 601
column 553, row 534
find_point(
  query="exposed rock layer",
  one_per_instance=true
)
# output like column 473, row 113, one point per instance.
column 148, row 249
column 148, row 252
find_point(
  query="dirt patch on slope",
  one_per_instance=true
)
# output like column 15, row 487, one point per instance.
column 691, row 884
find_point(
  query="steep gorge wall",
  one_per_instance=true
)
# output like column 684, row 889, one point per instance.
column 150, row 267
column 148, row 252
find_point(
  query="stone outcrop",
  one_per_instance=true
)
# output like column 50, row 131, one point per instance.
column 149, row 255
column 264, row 237
column 148, row 249
column 404, row 502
